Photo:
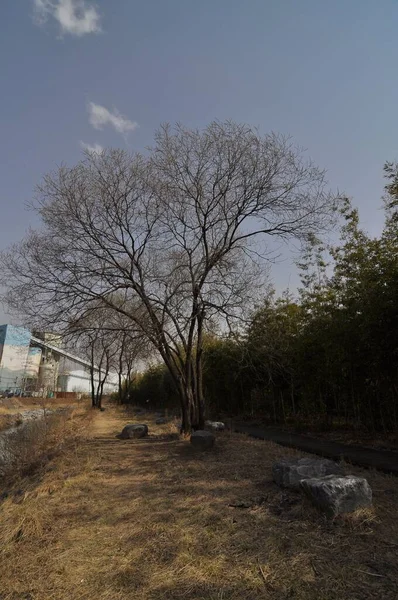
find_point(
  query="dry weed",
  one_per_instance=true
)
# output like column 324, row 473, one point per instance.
column 153, row 520
column 24, row 447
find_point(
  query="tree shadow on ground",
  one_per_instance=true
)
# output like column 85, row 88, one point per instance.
column 218, row 507
column 153, row 519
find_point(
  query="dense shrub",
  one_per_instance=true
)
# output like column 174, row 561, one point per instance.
column 153, row 388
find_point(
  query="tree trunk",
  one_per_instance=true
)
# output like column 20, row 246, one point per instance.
column 199, row 373
column 120, row 391
column 185, row 418
column 187, row 376
column 127, row 391
column 292, row 399
column 93, row 398
column 192, row 414
column 101, row 393
column 186, row 415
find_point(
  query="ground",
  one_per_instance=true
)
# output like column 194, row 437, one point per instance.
column 340, row 432
column 111, row 519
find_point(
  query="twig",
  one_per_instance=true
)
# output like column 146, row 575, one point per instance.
column 368, row 573
column 314, row 568
column 263, row 575
column 392, row 544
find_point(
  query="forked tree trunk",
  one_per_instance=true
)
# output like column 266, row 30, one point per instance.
column 192, row 402
column 187, row 378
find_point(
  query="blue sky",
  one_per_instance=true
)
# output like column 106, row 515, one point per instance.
column 110, row 72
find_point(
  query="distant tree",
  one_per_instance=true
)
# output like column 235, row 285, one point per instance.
column 154, row 387
column 272, row 345
column 169, row 241
column 130, row 349
column 97, row 346
column 224, row 374
column 112, row 345
column 349, row 346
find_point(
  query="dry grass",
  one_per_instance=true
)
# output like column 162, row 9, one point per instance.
column 27, row 448
column 9, row 420
column 11, row 409
column 15, row 405
column 151, row 520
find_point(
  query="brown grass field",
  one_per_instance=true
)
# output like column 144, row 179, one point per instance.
column 110, row 519
column 11, row 408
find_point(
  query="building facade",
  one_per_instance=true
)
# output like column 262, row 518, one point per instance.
column 37, row 364
column 14, row 353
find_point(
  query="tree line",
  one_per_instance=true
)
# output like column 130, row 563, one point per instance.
column 327, row 355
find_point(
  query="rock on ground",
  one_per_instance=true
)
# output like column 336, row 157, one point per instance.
column 161, row 421
column 202, row 440
column 338, row 495
column 289, row 473
column 134, row 432
column 215, row 425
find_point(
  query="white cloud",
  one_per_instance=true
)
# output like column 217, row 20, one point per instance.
column 99, row 117
column 76, row 17
column 93, row 148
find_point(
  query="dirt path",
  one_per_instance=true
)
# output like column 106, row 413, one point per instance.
column 149, row 519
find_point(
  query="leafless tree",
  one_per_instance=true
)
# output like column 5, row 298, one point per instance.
column 99, row 349
column 97, row 346
column 111, row 345
column 131, row 349
column 169, row 240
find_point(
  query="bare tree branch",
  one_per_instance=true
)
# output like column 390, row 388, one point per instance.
column 166, row 242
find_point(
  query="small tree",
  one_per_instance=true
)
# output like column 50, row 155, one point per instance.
column 169, row 241
column 110, row 344
column 130, row 347
column 98, row 347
